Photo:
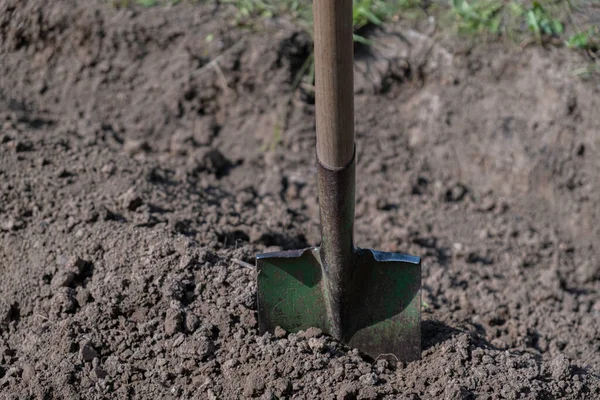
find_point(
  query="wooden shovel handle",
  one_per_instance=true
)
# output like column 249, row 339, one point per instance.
column 334, row 56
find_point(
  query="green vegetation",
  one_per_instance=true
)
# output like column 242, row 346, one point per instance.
column 376, row 12
column 366, row 12
column 509, row 19
column 523, row 21
column 541, row 23
column 248, row 10
column 587, row 40
column 514, row 19
column 477, row 16
column 541, row 20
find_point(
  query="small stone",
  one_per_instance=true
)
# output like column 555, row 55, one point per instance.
column 196, row 348
column 316, row 344
column 367, row 393
column 192, row 322
column 348, row 391
column 82, row 296
column 313, row 332
column 28, row 372
column 173, row 321
column 280, row 333
column 62, row 279
column 368, row 379
column 560, row 367
column 254, row 386
column 87, row 352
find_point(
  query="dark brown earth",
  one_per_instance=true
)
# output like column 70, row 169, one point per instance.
column 139, row 159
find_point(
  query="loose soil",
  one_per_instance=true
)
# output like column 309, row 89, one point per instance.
column 139, row 159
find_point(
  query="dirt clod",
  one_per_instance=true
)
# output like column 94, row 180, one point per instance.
column 173, row 321
column 560, row 367
column 87, row 352
column 280, row 332
column 192, row 322
column 254, row 386
column 62, row 278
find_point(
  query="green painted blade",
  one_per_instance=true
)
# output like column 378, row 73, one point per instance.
column 382, row 309
column 290, row 291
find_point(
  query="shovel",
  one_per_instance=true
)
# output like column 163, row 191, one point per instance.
column 365, row 298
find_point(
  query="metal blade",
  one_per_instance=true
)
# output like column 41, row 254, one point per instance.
column 381, row 312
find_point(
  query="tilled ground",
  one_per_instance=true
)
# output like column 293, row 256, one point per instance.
column 138, row 159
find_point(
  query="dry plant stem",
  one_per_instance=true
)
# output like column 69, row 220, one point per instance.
column 334, row 82
column 242, row 263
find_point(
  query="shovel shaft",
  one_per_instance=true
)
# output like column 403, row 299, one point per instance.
column 334, row 82
column 336, row 203
column 334, row 93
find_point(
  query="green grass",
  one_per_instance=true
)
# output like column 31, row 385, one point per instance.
column 247, row 11
column 542, row 23
column 365, row 12
column 587, row 40
column 511, row 19
column 475, row 17
column 540, row 20
column 523, row 21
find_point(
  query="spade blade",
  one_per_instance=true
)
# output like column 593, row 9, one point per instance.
column 381, row 309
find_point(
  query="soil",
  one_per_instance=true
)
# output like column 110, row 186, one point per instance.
column 144, row 151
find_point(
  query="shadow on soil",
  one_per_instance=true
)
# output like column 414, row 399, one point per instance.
column 434, row 332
